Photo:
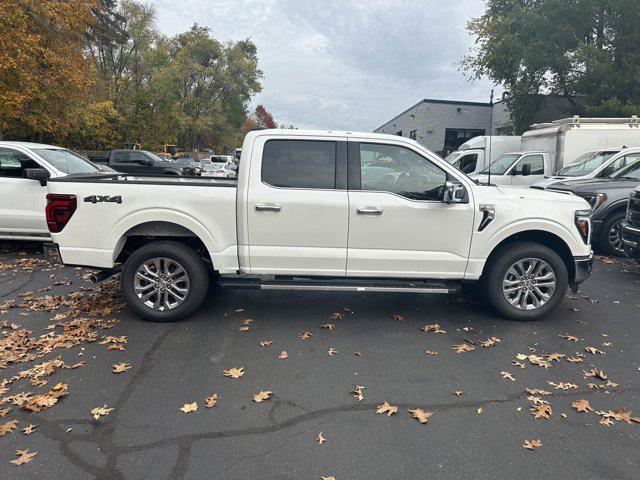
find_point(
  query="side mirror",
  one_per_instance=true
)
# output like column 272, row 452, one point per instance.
column 454, row 192
column 39, row 174
column 526, row 170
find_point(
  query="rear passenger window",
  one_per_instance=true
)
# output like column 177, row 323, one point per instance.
column 13, row 163
column 299, row 164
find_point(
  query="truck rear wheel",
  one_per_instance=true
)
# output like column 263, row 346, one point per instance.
column 164, row 281
column 526, row 280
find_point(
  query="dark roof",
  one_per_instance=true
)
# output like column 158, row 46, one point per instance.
column 436, row 101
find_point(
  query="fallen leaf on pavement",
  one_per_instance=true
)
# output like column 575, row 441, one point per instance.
column 457, row 393
column 266, row 343
column 593, row 351
column 398, row 318
column 518, row 364
column 283, row 355
column 420, row 415
column 211, row 400
column 507, row 375
column 328, row 326
column 305, row 335
column 24, row 457
column 463, row 347
column 541, row 411
column 29, row 429
column 563, row 385
column 537, row 391
column 189, row 407
column 386, row 408
column 261, row 396
column 100, row 411
column 571, row 338
column 121, row 367
column 531, row 445
column 234, row 372
column 582, row 406
column 4, row 411
column 331, row 477
column 8, row 427
column 574, row 359
column 431, row 352
column 336, row 316
column 594, row 372
column 433, row 328
column 358, row 392
column 490, row 342
column 332, row 351
column 479, row 410
column 606, row 421
column 320, row 439
column 555, row 356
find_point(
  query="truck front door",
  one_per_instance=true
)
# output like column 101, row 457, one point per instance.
column 528, row 170
column 297, row 207
column 398, row 223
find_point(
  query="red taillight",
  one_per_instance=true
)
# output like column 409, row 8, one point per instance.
column 59, row 211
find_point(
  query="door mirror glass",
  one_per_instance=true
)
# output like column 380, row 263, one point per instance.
column 454, row 192
column 526, row 170
column 39, row 174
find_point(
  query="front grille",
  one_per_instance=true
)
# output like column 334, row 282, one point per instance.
column 634, row 209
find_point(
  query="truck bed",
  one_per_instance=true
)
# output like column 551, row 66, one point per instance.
column 112, row 207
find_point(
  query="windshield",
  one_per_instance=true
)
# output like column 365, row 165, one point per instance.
column 66, row 161
column 585, row 164
column 214, row 166
column 632, row 172
column 153, row 156
column 452, row 157
column 502, row 164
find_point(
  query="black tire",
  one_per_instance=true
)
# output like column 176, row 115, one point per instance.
column 188, row 259
column 508, row 256
column 604, row 244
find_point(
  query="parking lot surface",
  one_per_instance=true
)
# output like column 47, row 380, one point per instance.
column 387, row 343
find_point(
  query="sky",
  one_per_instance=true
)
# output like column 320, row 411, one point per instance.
column 343, row 64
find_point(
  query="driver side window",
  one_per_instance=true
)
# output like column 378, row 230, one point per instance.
column 535, row 162
column 13, row 163
column 399, row 170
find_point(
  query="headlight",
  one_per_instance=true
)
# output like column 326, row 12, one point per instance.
column 595, row 199
column 582, row 220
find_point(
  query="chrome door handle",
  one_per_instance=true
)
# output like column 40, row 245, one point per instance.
column 370, row 211
column 268, row 207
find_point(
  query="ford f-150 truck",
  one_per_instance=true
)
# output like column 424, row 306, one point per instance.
column 323, row 210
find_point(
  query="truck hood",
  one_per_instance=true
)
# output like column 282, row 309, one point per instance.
column 528, row 194
column 546, row 181
column 596, row 185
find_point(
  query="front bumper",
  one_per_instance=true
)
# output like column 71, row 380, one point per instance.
column 582, row 270
column 630, row 239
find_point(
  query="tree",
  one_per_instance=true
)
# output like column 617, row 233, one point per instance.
column 582, row 49
column 43, row 72
column 264, row 118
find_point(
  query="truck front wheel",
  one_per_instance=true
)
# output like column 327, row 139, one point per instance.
column 164, row 281
column 525, row 280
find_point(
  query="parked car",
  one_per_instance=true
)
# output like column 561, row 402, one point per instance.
column 220, row 170
column 608, row 198
column 143, row 162
column 630, row 227
column 476, row 154
column 598, row 164
column 24, row 169
column 300, row 217
column 517, row 169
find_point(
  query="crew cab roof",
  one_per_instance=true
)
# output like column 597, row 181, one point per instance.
column 9, row 143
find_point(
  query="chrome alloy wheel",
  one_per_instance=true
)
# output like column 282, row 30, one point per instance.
column 529, row 284
column 615, row 239
column 161, row 283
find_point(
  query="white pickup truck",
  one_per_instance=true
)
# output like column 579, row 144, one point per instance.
column 517, row 169
column 322, row 210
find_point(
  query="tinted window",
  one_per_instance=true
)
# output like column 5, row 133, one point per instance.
column 13, row 163
column 66, row 161
column 136, row 156
column 398, row 170
column 467, row 163
column 535, row 162
column 119, row 157
column 299, row 164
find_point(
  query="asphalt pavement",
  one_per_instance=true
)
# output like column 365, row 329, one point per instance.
column 478, row 433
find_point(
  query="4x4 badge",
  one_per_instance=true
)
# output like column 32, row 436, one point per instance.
column 103, row 198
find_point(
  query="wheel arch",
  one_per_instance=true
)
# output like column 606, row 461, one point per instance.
column 542, row 237
column 141, row 233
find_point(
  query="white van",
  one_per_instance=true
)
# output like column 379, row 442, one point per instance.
column 476, row 154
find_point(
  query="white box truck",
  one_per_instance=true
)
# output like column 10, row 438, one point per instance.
column 476, row 154
column 569, row 138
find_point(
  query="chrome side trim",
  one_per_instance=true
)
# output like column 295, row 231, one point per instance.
column 347, row 288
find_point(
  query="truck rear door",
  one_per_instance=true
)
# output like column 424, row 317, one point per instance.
column 297, row 206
